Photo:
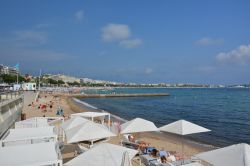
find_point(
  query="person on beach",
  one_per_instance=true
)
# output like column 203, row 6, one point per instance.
column 163, row 159
column 164, row 153
column 154, row 153
column 131, row 138
column 174, row 156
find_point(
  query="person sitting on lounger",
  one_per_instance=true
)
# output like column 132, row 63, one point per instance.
column 173, row 157
column 164, row 153
column 131, row 138
column 154, row 153
column 163, row 159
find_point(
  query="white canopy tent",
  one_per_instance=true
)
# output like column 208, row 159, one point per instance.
column 73, row 122
column 138, row 125
column 103, row 154
column 29, row 155
column 125, row 159
column 88, row 131
column 183, row 127
column 233, row 155
column 32, row 122
column 92, row 115
column 29, row 135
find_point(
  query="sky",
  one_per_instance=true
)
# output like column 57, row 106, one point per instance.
column 170, row 41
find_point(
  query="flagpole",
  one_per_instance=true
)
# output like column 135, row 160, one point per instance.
column 17, row 78
column 17, row 72
column 39, row 79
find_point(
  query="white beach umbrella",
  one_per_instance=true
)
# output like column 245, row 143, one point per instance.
column 88, row 131
column 103, row 154
column 138, row 125
column 125, row 159
column 183, row 127
column 73, row 122
column 233, row 155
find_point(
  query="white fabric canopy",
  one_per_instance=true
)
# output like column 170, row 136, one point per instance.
column 230, row 156
column 73, row 122
column 88, row 131
column 32, row 122
column 30, row 133
column 102, row 155
column 91, row 114
column 183, row 127
column 29, row 155
column 193, row 164
column 126, row 160
column 138, row 125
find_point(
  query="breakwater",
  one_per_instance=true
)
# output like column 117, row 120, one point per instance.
column 119, row 95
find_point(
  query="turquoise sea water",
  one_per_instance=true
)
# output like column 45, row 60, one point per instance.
column 224, row 111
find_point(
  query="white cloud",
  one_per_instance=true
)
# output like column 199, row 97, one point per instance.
column 131, row 43
column 114, row 32
column 240, row 55
column 148, row 71
column 30, row 36
column 79, row 15
column 206, row 41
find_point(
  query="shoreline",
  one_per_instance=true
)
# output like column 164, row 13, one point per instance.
column 172, row 141
column 70, row 106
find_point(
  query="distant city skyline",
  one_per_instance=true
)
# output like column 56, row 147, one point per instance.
column 201, row 42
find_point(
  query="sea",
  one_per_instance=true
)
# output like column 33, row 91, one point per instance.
column 225, row 111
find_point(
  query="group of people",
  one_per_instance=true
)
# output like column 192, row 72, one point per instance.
column 47, row 106
column 162, row 155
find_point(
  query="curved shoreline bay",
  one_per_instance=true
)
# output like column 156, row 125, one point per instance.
column 225, row 111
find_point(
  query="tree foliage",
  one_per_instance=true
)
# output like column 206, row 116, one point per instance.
column 7, row 78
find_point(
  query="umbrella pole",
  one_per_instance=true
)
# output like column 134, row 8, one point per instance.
column 182, row 161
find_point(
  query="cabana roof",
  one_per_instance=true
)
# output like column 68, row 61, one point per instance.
column 103, row 154
column 32, row 122
column 29, row 133
column 88, row 131
column 91, row 114
column 73, row 122
column 29, row 155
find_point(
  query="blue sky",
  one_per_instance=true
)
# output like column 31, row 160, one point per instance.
column 130, row 41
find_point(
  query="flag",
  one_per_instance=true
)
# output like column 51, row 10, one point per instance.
column 17, row 66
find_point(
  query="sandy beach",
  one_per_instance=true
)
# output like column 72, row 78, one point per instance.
column 156, row 139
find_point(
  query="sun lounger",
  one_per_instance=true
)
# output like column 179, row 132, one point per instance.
column 169, row 164
column 147, row 160
column 125, row 142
